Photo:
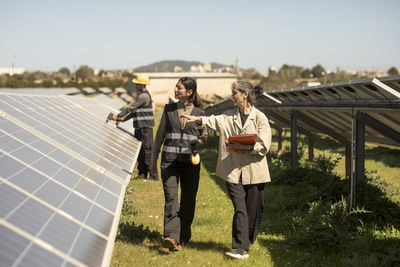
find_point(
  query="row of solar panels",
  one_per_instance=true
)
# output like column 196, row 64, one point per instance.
column 63, row 174
column 333, row 106
column 58, row 90
column 350, row 93
column 117, row 102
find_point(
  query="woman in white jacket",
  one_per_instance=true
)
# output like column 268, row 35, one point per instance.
column 246, row 170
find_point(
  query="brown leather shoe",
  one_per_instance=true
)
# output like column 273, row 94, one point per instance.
column 171, row 244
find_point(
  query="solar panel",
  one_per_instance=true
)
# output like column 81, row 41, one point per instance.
column 334, row 106
column 219, row 107
column 113, row 102
column 62, row 180
column 351, row 112
column 347, row 93
column 41, row 91
column 102, row 107
column 120, row 90
column 105, row 90
column 126, row 97
column 392, row 81
column 88, row 90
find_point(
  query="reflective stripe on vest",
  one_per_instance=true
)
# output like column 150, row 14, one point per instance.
column 143, row 110
column 143, row 118
column 178, row 136
column 176, row 150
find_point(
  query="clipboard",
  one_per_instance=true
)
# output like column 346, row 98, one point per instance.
column 245, row 139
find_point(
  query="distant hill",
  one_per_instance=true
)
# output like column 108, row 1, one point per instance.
column 169, row 65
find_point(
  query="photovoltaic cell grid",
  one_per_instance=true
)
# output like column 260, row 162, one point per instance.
column 96, row 108
column 333, row 106
column 365, row 91
column 41, row 91
column 339, row 121
column 71, row 126
column 62, row 181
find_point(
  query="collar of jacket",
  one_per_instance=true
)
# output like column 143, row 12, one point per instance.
column 250, row 119
column 180, row 105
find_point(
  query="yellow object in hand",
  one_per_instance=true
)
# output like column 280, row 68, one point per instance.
column 195, row 159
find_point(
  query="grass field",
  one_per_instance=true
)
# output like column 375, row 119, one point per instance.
column 306, row 221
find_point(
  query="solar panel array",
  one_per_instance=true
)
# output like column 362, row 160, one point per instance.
column 62, row 180
column 333, row 106
column 41, row 91
column 342, row 94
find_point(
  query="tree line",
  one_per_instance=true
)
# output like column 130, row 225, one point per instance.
column 288, row 76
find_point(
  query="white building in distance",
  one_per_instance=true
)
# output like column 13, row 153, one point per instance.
column 162, row 84
column 12, row 71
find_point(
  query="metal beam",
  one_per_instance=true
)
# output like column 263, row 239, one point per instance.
column 310, row 147
column 279, row 138
column 379, row 126
column 293, row 139
column 330, row 133
column 282, row 119
column 348, row 160
column 320, row 127
column 360, row 149
column 279, row 133
column 338, row 105
column 309, row 135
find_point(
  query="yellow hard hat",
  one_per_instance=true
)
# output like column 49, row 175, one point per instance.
column 141, row 79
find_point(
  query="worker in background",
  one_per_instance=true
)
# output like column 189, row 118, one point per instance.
column 141, row 111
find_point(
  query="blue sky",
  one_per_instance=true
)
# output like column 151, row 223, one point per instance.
column 345, row 34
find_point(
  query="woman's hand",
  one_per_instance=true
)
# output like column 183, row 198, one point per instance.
column 238, row 146
column 195, row 146
column 191, row 118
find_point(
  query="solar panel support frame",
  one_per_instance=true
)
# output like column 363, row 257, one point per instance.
column 329, row 132
column 293, row 139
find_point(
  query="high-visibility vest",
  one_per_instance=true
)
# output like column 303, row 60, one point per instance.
column 143, row 117
column 176, row 141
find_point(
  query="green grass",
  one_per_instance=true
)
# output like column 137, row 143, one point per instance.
column 306, row 220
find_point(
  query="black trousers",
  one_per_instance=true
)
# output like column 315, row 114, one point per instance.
column 248, row 202
column 145, row 135
column 177, row 222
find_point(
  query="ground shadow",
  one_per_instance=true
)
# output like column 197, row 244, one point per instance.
column 137, row 234
column 307, row 209
column 205, row 246
column 388, row 156
column 284, row 253
column 295, row 236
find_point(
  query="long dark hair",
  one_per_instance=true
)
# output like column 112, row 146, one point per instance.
column 190, row 84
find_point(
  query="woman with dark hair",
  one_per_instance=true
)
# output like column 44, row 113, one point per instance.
column 244, row 167
column 177, row 135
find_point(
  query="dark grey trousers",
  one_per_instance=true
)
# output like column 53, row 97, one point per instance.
column 145, row 135
column 177, row 222
column 248, row 202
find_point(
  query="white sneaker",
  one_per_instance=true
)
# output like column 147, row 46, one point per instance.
column 237, row 254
